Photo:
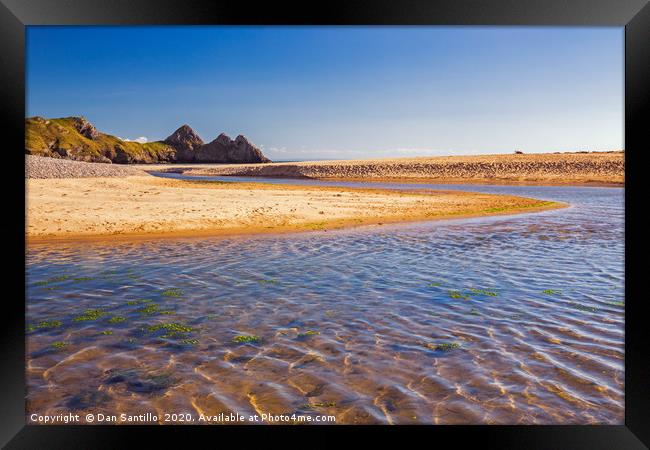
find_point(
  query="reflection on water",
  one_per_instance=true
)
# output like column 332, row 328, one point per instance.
column 510, row 320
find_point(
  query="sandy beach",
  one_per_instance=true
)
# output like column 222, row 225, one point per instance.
column 132, row 206
column 597, row 168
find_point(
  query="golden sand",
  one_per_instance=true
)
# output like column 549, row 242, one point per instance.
column 146, row 206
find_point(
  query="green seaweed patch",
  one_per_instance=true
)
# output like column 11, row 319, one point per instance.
column 319, row 405
column 551, row 292
column 324, row 404
column 149, row 309
column 58, row 279
column 90, row 315
column 170, row 334
column 177, row 327
column 616, row 303
column 268, row 281
column 189, row 341
column 106, row 332
column 171, row 329
column 444, row 347
column 116, row 319
column 458, row 294
column 483, row 292
column 139, row 301
column 433, row 284
column 580, row 307
column 52, row 280
column 243, row 339
column 308, row 333
column 45, row 324
column 82, row 279
column 174, row 292
column 59, row 345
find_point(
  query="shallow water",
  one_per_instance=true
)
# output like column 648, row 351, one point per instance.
column 502, row 320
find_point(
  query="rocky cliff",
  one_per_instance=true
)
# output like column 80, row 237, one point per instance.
column 186, row 142
column 77, row 139
column 226, row 150
column 190, row 148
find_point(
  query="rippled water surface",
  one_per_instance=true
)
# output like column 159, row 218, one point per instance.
column 509, row 320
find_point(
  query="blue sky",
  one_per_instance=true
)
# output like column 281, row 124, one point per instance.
column 339, row 92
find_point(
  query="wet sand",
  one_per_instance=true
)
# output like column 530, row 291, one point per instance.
column 146, row 206
column 599, row 168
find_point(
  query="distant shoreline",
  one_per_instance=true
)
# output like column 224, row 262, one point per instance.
column 579, row 168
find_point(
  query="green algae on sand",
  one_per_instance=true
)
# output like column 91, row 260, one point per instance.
column 242, row 339
column 90, row 315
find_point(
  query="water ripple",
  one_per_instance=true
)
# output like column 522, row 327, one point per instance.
column 510, row 320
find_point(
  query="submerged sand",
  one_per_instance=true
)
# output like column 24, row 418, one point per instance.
column 602, row 168
column 75, row 208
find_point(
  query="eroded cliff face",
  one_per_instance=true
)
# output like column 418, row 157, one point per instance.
column 185, row 141
column 85, row 128
column 77, row 139
column 226, row 150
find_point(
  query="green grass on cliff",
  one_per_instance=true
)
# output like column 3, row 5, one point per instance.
column 59, row 137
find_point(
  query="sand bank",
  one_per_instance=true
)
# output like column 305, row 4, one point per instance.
column 602, row 168
column 77, row 208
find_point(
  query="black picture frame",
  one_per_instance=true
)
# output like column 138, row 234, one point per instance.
column 634, row 15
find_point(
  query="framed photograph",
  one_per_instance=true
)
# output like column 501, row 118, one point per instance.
column 419, row 218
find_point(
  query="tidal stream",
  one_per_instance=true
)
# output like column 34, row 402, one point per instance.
column 496, row 320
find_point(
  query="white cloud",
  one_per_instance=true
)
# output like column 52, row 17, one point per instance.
column 141, row 140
